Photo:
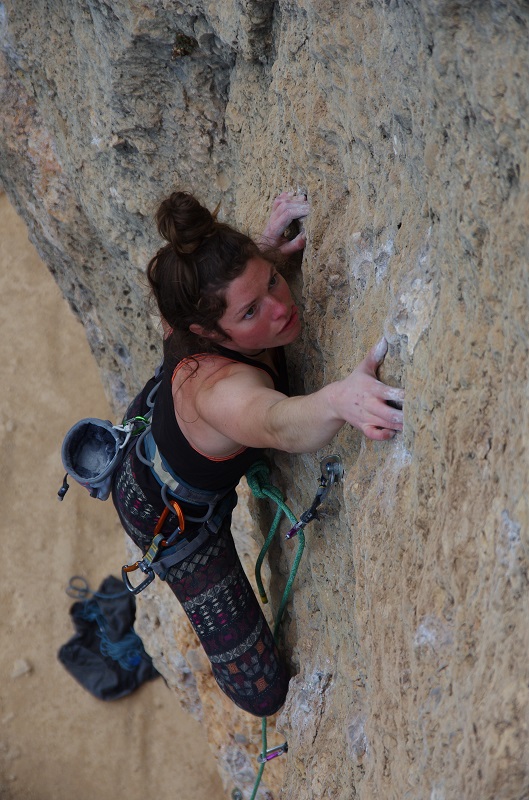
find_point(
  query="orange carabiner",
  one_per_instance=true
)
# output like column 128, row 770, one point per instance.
column 179, row 513
column 163, row 517
column 146, row 562
column 130, row 567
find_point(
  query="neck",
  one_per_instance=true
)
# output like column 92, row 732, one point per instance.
column 247, row 353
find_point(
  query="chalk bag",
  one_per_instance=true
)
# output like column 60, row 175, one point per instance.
column 91, row 451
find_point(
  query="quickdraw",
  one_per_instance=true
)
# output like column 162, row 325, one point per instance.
column 274, row 752
column 153, row 553
column 331, row 471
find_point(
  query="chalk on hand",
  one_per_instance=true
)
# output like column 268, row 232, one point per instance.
column 380, row 349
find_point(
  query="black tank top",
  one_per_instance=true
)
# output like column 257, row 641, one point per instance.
column 196, row 469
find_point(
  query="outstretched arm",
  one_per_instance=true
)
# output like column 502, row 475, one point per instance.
column 249, row 413
column 285, row 209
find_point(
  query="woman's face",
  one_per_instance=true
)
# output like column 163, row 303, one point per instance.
column 260, row 312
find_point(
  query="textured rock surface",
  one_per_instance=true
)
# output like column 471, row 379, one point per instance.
column 407, row 123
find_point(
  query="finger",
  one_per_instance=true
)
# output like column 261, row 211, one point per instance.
column 294, row 202
column 376, row 355
column 281, row 197
column 390, row 417
column 298, row 195
column 286, row 212
column 378, row 434
column 294, row 245
column 278, row 224
column 295, row 198
column 392, row 393
column 384, row 416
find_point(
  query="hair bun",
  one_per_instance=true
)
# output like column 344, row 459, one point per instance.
column 184, row 222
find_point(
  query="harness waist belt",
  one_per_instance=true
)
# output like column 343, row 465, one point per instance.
column 176, row 486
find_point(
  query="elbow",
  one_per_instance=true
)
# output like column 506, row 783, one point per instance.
column 291, row 444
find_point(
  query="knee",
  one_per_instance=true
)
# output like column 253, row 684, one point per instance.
column 266, row 697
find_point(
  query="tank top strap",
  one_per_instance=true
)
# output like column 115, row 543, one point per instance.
column 279, row 375
column 252, row 362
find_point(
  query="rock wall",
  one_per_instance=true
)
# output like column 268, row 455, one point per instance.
column 407, row 125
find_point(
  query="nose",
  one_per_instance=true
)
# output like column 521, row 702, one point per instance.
column 279, row 309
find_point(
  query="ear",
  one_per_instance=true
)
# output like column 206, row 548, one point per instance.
column 198, row 330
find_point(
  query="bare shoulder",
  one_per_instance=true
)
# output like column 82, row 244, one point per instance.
column 233, row 372
column 200, row 374
column 216, row 403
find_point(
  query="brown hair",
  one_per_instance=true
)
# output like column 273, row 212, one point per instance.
column 189, row 274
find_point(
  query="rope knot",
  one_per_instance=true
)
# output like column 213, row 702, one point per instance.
column 258, row 477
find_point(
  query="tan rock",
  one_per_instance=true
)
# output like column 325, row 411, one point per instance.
column 407, row 124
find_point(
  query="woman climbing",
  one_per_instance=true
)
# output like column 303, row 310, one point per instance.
column 226, row 314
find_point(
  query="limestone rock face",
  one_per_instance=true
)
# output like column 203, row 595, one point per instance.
column 407, row 125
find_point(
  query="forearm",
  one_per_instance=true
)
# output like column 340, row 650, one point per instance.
column 304, row 424
column 246, row 412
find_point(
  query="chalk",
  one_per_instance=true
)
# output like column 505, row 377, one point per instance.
column 380, row 349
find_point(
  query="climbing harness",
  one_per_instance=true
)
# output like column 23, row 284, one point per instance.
column 174, row 486
column 92, row 451
column 163, row 553
column 258, row 480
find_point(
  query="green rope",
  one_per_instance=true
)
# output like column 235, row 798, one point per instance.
column 258, row 477
column 264, row 747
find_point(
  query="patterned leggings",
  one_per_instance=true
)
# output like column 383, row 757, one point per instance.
column 219, row 601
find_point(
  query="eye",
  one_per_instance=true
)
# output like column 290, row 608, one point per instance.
column 274, row 280
column 250, row 313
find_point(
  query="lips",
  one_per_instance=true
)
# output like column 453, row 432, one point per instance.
column 291, row 321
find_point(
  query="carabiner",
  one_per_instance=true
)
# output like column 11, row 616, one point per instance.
column 131, row 568
column 145, row 564
column 331, row 471
column 274, row 752
column 181, row 522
